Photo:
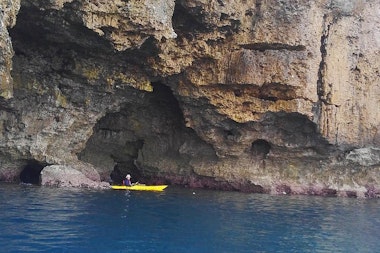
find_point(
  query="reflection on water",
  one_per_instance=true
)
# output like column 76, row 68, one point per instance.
column 42, row 219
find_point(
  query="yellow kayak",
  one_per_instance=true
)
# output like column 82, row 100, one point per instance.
column 140, row 187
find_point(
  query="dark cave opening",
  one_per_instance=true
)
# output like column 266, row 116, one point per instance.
column 127, row 164
column 185, row 20
column 164, row 99
column 122, row 169
column 260, row 148
column 152, row 122
column 31, row 172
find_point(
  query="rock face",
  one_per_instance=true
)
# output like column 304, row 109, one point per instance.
column 8, row 13
column 261, row 96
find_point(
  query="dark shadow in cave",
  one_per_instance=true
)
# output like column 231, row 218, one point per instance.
column 295, row 133
column 164, row 98
column 31, row 172
column 44, row 27
column 260, row 148
column 129, row 167
column 185, row 22
column 116, row 175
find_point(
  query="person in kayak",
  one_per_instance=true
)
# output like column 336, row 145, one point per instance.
column 127, row 180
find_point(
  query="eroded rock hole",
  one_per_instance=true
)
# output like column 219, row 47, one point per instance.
column 232, row 134
column 260, row 148
column 186, row 21
column 31, row 172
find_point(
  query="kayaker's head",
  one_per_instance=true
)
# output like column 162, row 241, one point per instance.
column 128, row 176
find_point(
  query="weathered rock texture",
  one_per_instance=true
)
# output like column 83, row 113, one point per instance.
column 261, row 96
column 8, row 13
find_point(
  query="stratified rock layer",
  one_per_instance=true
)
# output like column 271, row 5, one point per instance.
column 259, row 96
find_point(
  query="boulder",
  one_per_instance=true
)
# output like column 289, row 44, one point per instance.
column 67, row 176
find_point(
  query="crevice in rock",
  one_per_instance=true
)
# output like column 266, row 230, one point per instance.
column 322, row 65
column 323, row 95
column 268, row 91
column 257, row 13
column 272, row 46
column 31, row 172
column 277, row 91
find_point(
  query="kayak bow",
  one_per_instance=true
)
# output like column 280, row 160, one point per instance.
column 140, row 187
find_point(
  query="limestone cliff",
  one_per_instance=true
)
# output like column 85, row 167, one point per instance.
column 261, row 96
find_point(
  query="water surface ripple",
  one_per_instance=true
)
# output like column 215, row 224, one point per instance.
column 43, row 219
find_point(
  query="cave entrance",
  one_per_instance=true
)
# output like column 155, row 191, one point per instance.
column 152, row 125
column 31, row 172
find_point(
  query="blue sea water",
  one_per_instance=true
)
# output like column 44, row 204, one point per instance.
column 43, row 219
